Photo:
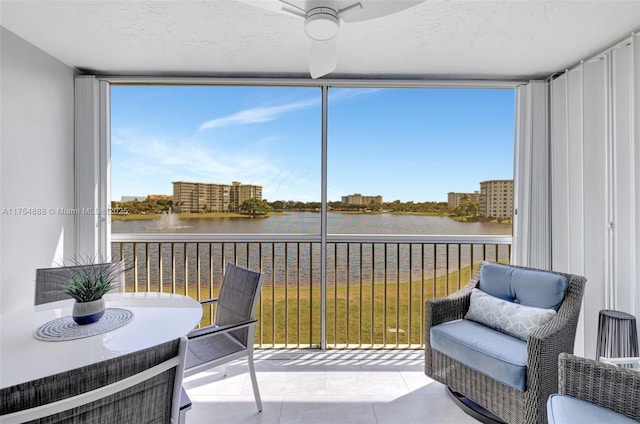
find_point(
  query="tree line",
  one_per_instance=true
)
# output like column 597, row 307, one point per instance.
column 262, row 207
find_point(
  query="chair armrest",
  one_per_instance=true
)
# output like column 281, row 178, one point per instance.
column 214, row 329
column 561, row 329
column 543, row 347
column 546, row 343
column 602, row 384
column 452, row 307
column 444, row 309
column 566, row 320
column 208, row 301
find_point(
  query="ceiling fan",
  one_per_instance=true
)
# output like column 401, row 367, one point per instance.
column 322, row 20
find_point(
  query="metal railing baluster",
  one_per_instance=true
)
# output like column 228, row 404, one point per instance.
column 424, row 267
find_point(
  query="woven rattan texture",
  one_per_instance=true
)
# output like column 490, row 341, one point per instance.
column 49, row 281
column 543, row 347
column 146, row 403
column 605, row 385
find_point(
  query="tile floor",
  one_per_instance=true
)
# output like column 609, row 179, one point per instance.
column 342, row 387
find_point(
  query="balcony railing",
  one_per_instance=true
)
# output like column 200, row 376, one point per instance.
column 371, row 289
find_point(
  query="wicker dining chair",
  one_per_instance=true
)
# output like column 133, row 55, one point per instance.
column 142, row 387
column 543, row 347
column 49, row 280
column 232, row 333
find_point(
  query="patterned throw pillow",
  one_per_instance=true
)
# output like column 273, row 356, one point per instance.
column 511, row 318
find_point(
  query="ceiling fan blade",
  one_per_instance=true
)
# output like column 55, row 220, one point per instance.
column 290, row 7
column 372, row 9
column 323, row 58
column 270, row 5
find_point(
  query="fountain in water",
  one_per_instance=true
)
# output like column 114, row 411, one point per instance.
column 169, row 221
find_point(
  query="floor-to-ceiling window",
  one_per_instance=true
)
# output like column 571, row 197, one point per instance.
column 408, row 168
column 202, row 152
column 204, row 174
column 396, row 154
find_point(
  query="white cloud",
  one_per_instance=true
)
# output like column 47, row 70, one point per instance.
column 256, row 115
column 148, row 161
column 270, row 113
column 342, row 94
column 151, row 162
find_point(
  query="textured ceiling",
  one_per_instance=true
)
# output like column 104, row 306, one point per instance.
column 510, row 39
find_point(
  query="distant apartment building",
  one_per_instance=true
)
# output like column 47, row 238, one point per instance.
column 132, row 198
column 239, row 193
column 208, row 197
column 159, row 197
column 456, row 199
column 359, row 199
column 496, row 198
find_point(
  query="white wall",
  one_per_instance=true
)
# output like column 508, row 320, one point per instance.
column 36, row 166
column 595, row 165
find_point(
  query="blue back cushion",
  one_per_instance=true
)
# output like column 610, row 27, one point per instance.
column 541, row 289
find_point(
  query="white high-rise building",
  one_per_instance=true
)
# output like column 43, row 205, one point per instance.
column 496, row 198
column 209, row 197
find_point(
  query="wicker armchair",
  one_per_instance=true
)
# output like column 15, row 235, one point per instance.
column 605, row 385
column 543, row 347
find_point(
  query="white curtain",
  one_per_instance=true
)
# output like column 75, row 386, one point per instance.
column 531, row 226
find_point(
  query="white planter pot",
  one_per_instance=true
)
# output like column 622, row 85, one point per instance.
column 88, row 312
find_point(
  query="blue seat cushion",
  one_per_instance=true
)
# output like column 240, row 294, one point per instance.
column 495, row 354
column 563, row 409
column 542, row 289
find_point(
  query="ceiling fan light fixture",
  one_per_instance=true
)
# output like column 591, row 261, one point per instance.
column 321, row 23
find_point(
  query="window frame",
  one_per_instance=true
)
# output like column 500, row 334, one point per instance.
column 93, row 145
column 95, row 98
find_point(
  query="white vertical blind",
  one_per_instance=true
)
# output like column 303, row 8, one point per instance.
column 560, row 219
column 567, row 180
column 596, row 222
column 104, row 188
column 91, row 167
column 623, row 175
column 634, row 278
column 575, row 170
column 532, row 242
column 595, row 182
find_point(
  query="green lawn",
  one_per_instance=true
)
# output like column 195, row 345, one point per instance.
column 369, row 314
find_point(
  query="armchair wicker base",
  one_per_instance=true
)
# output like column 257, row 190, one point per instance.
column 509, row 375
column 473, row 409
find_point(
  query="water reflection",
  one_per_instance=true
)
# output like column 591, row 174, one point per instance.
column 309, row 223
column 290, row 263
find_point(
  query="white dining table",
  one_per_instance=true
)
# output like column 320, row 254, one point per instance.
column 157, row 318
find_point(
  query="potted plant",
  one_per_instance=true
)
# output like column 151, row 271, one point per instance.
column 86, row 282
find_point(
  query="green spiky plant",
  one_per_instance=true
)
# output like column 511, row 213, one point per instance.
column 88, row 283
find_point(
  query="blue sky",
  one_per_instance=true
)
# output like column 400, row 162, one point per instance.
column 403, row 144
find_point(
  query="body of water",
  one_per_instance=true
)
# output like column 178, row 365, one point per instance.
column 301, row 262
column 309, row 223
